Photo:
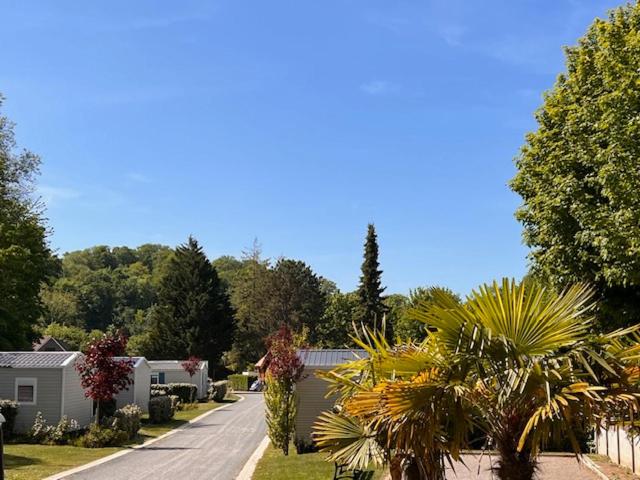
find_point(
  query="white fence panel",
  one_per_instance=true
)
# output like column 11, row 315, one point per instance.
column 621, row 447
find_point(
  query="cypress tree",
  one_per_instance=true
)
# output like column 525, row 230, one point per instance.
column 372, row 308
column 195, row 316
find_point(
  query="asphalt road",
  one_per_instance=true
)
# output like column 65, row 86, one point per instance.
column 216, row 447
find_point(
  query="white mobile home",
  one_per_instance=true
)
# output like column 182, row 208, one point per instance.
column 311, row 390
column 171, row 371
column 44, row 382
column 139, row 391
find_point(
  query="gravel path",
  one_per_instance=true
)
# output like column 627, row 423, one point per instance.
column 215, row 447
column 553, row 467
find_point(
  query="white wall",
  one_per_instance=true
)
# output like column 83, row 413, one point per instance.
column 619, row 447
column 75, row 404
column 311, row 392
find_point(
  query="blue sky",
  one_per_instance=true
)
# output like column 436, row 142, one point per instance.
column 297, row 122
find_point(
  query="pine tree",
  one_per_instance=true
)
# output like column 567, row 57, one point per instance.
column 372, row 308
column 195, row 317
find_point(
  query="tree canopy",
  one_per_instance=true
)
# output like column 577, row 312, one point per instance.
column 578, row 173
column 195, row 317
column 25, row 258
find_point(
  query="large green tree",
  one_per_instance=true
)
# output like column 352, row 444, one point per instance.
column 406, row 325
column 25, row 257
column 579, row 174
column 336, row 325
column 195, row 316
column 297, row 296
column 372, row 308
column 102, row 286
column 267, row 296
column 250, row 297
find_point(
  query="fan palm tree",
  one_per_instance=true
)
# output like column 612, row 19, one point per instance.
column 517, row 361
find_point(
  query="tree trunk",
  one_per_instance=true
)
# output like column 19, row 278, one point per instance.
column 405, row 467
column 285, row 447
column 514, row 465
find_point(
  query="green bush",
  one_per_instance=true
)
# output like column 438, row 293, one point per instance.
column 161, row 409
column 218, row 390
column 187, row 392
column 127, row 419
column 98, row 436
column 9, row 409
column 241, row 382
column 60, row 434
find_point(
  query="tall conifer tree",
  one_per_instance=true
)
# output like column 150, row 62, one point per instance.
column 372, row 308
column 196, row 316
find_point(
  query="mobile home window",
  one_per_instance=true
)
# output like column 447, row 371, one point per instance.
column 26, row 391
column 154, row 378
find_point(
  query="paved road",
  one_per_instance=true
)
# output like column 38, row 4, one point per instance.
column 216, row 447
column 564, row 467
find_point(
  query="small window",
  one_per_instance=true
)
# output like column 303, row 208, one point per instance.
column 26, row 391
column 154, row 378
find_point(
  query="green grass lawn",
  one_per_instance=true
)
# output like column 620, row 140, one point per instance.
column 32, row 462
column 310, row 466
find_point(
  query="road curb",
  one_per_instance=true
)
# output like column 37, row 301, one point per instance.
column 590, row 464
column 247, row 471
column 127, row 450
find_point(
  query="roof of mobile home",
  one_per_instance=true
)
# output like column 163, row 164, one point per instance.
column 36, row 359
column 137, row 361
column 329, row 357
column 171, row 364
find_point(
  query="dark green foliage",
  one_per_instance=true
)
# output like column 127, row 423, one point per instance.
column 228, row 268
column 372, row 307
column 250, row 296
column 405, row 324
column 26, row 261
column 297, row 299
column 578, row 173
column 100, row 286
column 336, row 324
column 161, row 409
column 240, row 382
column 186, row 392
column 265, row 297
column 195, row 317
column 9, row 409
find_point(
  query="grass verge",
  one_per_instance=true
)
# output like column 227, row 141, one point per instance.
column 310, row 466
column 24, row 461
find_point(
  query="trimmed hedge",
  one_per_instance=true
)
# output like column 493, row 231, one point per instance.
column 187, row 392
column 241, row 382
column 161, row 409
column 9, row 409
column 218, row 391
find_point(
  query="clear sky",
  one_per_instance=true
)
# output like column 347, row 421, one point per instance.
column 297, row 122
